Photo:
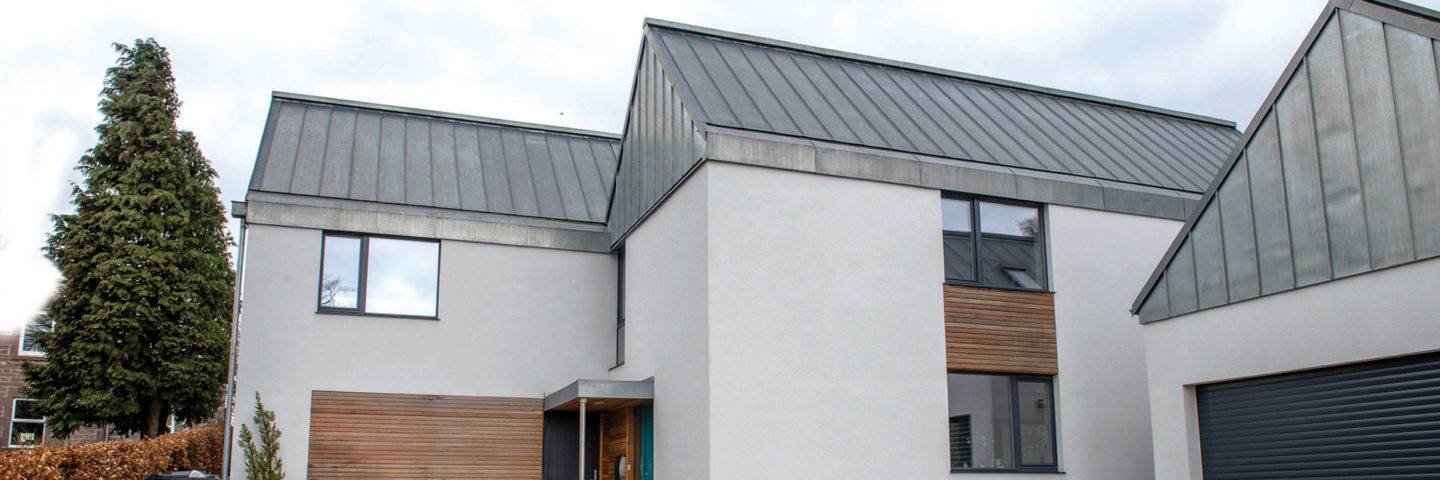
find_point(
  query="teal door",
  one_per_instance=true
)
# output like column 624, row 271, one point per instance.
column 647, row 442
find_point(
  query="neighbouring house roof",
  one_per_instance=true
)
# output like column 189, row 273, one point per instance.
column 346, row 150
column 1339, row 173
column 762, row 85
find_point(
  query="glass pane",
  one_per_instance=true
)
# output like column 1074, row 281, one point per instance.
column 1010, row 254
column 402, row 277
column 1009, row 219
column 41, row 323
column 27, row 410
column 984, row 403
column 959, row 257
column 955, row 215
column 26, row 434
column 340, row 273
column 1036, row 426
column 1012, row 262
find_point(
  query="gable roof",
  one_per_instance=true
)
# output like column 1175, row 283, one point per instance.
column 761, row 85
column 1338, row 174
column 348, row 150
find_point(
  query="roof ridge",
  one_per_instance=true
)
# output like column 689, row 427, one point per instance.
column 958, row 75
column 497, row 122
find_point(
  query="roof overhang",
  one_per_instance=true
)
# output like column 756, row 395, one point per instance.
column 601, row 395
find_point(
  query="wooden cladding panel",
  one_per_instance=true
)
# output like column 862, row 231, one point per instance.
column 383, row 435
column 1003, row 331
column 618, row 436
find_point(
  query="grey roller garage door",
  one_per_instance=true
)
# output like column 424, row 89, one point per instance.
column 1376, row 420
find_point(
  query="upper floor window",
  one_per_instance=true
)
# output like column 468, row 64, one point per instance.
column 28, row 343
column 379, row 275
column 1007, row 252
column 27, row 425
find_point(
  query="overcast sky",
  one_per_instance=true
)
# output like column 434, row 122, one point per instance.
column 562, row 63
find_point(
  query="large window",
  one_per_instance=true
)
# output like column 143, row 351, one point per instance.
column 993, row 244
column 1001, row 422
column 28, row 343
column 27, row 425
column 379, row 275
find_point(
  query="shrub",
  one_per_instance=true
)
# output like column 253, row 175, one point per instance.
column 194, row 449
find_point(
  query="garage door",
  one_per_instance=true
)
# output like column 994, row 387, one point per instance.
column 1377, row 420
column 383, row 435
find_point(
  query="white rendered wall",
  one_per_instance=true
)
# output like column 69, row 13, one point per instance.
column 666, row 270
column 1098, row 260
column 513, row 321
column 1376, row 315
column 827, row 342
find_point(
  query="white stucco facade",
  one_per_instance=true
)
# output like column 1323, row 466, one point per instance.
column 512, row 321
column 667, row 270
column 803, row 316
column 1381, row 314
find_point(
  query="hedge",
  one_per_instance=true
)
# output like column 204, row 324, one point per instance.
column 194, row 449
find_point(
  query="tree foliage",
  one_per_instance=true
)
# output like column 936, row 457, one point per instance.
column 142, row 316
column 262, row 460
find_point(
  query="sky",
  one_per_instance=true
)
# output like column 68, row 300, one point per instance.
column 564, row 63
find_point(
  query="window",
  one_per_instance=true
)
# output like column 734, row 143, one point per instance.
column 27, row 425
column 379, row 275
column 28, row 344
column 620, row 310
column 1008, row 251
column 1001, row 422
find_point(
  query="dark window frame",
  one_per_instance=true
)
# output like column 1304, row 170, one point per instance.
column 619, row 308
column 363, row 277
column 1016, row 424
column 977, row 237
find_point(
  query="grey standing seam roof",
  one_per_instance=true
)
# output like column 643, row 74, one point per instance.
column 323, row 147
column 763, row 85
column 1337, row 175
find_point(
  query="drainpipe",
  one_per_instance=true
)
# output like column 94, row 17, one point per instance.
column 238, row 210
column 582, row 438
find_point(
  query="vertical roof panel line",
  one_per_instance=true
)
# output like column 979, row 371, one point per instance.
column 1355, row 133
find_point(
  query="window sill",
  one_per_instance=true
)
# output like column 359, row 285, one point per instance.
column 993, row 287
column 354, row 313
column 23, row 353
column 1006, row 470
column 618, row 365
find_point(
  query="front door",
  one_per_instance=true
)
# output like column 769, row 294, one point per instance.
column 647, row 442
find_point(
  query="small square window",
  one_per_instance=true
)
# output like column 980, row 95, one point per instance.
column 29, row 345
column 993, row 244
column 379, row 275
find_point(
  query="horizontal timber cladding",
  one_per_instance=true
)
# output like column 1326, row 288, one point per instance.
column 385, row 435
column 1003, row 331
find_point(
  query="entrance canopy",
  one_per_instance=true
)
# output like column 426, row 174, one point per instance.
column 601, row 395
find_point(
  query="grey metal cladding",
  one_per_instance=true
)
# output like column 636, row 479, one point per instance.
column 662, row 140
column 1337, row 174
column 767, row 86
column 1209, row 248
column 340, row 149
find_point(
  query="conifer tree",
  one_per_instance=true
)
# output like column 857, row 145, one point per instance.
column 142, row 315
column 262, row 459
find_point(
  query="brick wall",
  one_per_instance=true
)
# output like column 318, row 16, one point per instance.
column 11, row 382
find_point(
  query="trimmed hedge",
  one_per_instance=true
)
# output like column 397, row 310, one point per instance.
column 194, row 449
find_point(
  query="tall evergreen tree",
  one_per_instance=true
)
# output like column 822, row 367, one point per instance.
column 142, row 316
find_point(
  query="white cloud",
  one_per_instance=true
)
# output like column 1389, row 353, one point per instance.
column 567, row 63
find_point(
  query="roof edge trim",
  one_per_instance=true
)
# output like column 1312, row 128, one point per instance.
column 970, row 77
column 300, row 97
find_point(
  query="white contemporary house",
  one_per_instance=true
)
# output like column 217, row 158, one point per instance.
column 1291, row 329
column 794, row 263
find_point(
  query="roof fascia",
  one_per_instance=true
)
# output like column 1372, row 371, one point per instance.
column 969, row 77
